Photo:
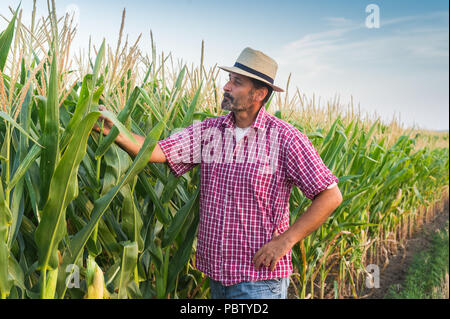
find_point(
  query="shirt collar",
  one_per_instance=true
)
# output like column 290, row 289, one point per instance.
column 259, row 123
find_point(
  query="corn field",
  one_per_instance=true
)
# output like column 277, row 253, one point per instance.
column 80, row 218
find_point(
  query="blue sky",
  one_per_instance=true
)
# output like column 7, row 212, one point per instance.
column 400, row 68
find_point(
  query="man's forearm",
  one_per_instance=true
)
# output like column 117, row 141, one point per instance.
column 317, row 213
column 133, row 149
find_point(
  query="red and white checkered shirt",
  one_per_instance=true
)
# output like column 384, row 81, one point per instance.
column 245, row 189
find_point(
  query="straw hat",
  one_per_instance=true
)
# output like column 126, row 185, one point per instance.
column 257, row 65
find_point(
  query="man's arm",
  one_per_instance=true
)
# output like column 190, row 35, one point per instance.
column 133, row 149
column 129, row 146
column 317, row 213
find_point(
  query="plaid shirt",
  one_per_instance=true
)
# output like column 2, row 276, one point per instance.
column 245, row 189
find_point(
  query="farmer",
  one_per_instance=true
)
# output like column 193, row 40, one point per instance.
column 249, row 162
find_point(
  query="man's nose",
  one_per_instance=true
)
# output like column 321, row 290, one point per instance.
column 227, row 87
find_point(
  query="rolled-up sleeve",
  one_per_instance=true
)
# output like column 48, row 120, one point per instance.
column 183, row 149
column 305, row 168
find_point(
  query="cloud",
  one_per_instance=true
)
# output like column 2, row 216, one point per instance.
column 335, row 49
column 401, row 67
column 337, row 21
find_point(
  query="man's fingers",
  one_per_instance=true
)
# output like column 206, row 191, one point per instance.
column 257, row 260
column 273, row 264
column 260, row 259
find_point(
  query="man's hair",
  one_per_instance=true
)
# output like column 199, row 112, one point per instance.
column 258, row 85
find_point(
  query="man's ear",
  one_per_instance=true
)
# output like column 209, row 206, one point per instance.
column 261, row 93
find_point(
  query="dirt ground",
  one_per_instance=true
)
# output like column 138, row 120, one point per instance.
column 395, row 272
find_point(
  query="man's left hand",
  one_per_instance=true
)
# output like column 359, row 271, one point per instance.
column 271, row 252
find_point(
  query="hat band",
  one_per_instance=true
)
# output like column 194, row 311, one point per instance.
column 253, row 71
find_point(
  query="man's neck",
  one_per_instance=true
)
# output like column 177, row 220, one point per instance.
column 246, row 118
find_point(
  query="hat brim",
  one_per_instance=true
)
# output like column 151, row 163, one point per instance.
column 250, row 75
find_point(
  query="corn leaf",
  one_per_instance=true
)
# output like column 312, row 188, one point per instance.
column 131, row 218
column 6, row 38
column 179, row 220
column 8, row 118
column 122, row 117
column 5, row 223
column 50, row 134
column 63, row 189
column 127, row 268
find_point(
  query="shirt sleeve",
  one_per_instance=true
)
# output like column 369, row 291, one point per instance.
column 305, row 168
column 183, row 149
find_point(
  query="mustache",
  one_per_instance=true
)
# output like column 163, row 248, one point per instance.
column 228, row 96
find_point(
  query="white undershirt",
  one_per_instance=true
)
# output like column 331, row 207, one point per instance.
column 240, row 133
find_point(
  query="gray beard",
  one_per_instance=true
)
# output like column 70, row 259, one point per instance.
column 227, row 104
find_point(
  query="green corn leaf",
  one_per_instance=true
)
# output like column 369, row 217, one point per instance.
column 8, row 118
column 6, row 38
column 117, row 163
column 50, row 134
column 150, row 103
column 117, row 126
column 16, row 273
column 180, row 78
column 63, row 189
column 127, row 268
column 187, row 120
column 183, row 252
column 343, row 179
column 131, row 218
column 17, row 207
column 173, row 182
column 161, row 213
column 162, row 276
column 98, row 63
column 5, row 223
column 50, row 284
column 80, row 110
column 122, row 118
column 5, row 283
column 179, row 220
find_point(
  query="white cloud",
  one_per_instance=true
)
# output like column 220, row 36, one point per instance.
column 390, row 69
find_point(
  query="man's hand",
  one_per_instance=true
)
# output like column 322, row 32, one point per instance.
column 107, row 123
column 126, row 144
column 317, row 213
column 271, row 253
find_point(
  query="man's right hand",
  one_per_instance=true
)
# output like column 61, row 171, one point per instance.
column 107, row 123
column 125, row 143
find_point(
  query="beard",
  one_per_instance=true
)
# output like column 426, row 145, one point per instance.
column 237, row 104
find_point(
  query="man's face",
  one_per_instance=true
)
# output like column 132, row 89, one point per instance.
column 239, row 93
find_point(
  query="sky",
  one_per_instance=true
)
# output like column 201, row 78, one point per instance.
column 396, row 68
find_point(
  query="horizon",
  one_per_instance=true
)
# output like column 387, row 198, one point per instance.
column 398, row 69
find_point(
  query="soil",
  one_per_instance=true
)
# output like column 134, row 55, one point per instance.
column 395, row 273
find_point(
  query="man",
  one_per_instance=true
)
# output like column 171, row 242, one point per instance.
column 249, row 161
